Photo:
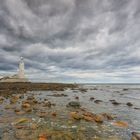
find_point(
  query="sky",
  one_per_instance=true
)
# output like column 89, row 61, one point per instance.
column 86, row 41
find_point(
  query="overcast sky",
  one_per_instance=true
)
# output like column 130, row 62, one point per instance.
column 71, row 40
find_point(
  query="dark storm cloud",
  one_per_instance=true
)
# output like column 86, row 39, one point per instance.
column 71, row 39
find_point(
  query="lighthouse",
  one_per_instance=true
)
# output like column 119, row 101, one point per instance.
column 19, row 77
column 21, row 73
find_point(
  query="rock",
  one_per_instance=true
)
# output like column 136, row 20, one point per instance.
column 30, row 98
column 54, row 114
column 83, row 90
column 92, row 98
column 21, row 120
column 26, row 105
column 59, row 95
column 27, row 110
column 125, row 89
column 98, row 101
column 77, row 98
column 98, row 118
column 108, row 116
column 21, row 97
column 42, row 137
column 74, row 104
column 115, row 103
column 135, row 136
column 75, row 115
column 129, row 104
column 47, row 104
column 112, row 100
column 17, row 110
column 120, row 124
column 88, row 116
column 1, row 99
column 137, row 108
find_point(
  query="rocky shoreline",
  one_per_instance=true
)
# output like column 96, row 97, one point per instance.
column 27, row 113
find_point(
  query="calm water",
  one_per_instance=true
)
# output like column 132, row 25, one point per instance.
column 120, row 93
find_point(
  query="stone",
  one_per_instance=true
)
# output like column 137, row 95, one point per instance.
column 92, row 98
column 135, row 136
column 54, row 114
column 98, row 118
column 47, row 104
column 75, row 115
column 74, row 104
column 129, row 104
column 115, row 103
column 42, row 137
column 120, row 124
column 26, row 105
column 77, row 98
column 98, row 101
column 108, row 116
column 21, row 120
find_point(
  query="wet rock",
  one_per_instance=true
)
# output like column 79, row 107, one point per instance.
column 30, row 98
column 137, row 108
column 26, row 105
column 74, row 104
column 21, row 120
column 135, row 136
column 98, row 101
column 88, row 116
column 76, row 115
column 92, row 98
column 98, row 118
column 115, row 103
column 112, row 100
column 27, row 110
column 1, row 99
column 17, row 110
column 82, row 90
column 21, row 97
column 120, row 124
column 125, row 89
column 59, row 95
column 93, row 117
column 77, row 98
column 54, row 114
column 129, row 104
column 47, row 104
column 42, row 137
column 108, row 116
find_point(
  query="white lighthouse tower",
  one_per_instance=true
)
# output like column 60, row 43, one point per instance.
column 19, row 77
column 21, row 73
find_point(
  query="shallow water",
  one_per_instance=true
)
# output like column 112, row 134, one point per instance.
column 86, row 130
